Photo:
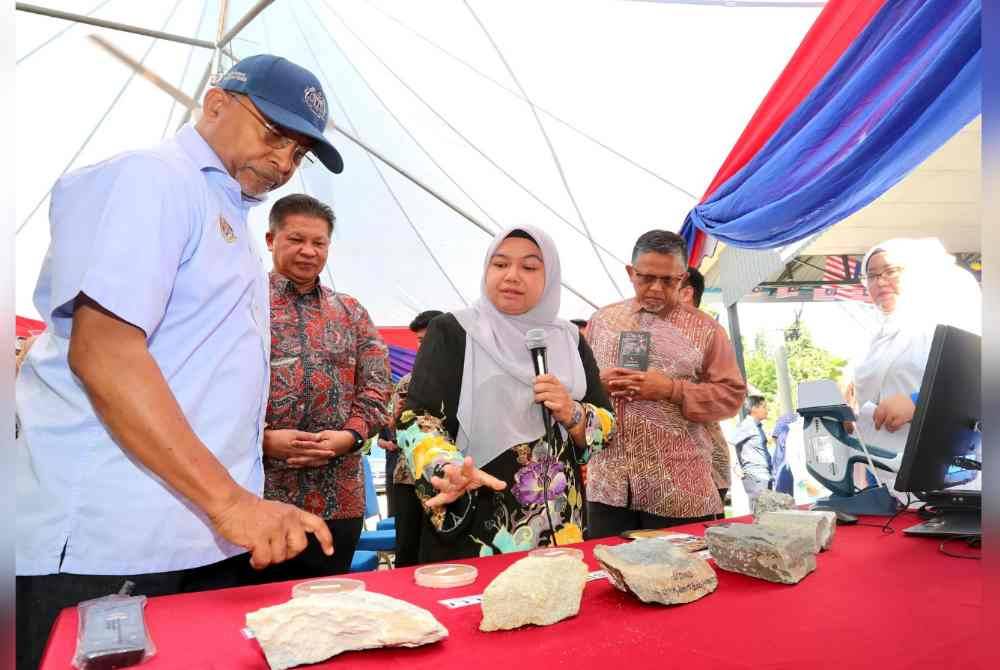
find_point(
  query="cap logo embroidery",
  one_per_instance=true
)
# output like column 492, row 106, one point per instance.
column 235, row 74
column 316, row 102
column 227, row 231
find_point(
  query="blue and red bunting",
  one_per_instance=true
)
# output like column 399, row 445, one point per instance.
column 875, row 87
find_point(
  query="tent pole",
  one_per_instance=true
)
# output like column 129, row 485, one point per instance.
column 458, row 210
column 101, row 23
column 242, row 23
column 736, row 337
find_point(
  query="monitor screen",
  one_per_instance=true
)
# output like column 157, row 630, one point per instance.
column 946, row 424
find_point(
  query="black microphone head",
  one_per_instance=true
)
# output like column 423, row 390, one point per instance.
column 534, row 339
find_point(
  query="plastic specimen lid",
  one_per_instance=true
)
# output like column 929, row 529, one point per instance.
column 326, row 586
column 552, row 552
column 445, row 575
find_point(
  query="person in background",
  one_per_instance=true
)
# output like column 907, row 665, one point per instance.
column 657, row 472
column 472, row 428
column 403, row 503
column 329, row 388
column 142, row 405
column 784, row 480
column 581, row 324
column 691, row 292
column 750, row 443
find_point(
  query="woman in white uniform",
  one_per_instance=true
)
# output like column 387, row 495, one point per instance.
column 916, row 285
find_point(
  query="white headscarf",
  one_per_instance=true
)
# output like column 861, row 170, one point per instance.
column 933, row 290
column 496, row 406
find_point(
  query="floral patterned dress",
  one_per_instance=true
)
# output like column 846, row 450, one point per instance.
column 544, row 501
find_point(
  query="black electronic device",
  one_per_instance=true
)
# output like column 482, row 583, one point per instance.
column 633, row 350
column 534, row 340
column 945, row 437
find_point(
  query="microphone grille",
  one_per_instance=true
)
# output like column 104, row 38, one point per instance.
column 535, row 338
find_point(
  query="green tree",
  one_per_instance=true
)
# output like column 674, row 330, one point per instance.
column 806, row 362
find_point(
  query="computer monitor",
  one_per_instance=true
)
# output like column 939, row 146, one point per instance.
column 945, row 440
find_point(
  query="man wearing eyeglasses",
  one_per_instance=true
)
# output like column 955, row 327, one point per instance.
column 142, row 405
column 657, row 472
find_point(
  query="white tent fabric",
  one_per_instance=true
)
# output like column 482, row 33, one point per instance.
column 640, row 101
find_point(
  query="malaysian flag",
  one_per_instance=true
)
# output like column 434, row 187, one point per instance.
column 834, row 272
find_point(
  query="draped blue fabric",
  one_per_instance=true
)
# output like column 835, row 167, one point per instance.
column 910, row 81
column 400, row 361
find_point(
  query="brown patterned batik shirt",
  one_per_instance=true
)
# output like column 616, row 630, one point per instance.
column 660, row 459
column 329, row 371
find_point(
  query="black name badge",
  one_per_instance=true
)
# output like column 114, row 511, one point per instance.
column 633, row 350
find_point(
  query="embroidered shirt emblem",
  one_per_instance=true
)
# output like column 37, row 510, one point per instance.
column 227, row 231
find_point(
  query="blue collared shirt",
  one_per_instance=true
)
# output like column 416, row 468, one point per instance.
column 159, row 238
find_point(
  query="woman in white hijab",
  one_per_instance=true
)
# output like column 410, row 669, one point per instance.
column 916, row 285
column 475, row 402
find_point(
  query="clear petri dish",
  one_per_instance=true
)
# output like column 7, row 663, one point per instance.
column 445, row 575
column 326, row 586
column 552, row 552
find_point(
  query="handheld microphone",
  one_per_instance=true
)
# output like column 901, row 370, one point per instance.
column 534, row 340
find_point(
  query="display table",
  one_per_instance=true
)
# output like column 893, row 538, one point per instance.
column 875, row 601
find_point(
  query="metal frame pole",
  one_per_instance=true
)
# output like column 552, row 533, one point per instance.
column 242, row 23
column 114, row 25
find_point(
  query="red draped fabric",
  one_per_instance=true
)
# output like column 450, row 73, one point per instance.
column 840, row 22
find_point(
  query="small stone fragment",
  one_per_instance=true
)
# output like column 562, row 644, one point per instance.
column 313, row 628
column 534, row 590
column 762, row 552
column 768, row 501
column 657, row 571
column 819, row 525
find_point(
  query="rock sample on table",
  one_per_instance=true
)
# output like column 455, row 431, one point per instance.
column 762, row 552
column 817, row 525
column 657, row 571
column 534, row 590
column 313, row 628
column 768, row 501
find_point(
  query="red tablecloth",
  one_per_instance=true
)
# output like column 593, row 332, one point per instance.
column 875, row 601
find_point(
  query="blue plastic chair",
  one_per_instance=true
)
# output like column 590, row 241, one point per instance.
column 387, row 524
column 382, row 541
column 363, row 561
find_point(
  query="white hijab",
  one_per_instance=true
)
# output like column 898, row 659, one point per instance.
column 496, row 406
column 933, row 290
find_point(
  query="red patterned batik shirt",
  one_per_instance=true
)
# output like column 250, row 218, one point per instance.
column 329, row 371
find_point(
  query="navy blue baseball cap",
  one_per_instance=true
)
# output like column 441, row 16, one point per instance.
column 289, row 96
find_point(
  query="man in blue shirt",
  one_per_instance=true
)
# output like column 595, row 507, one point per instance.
column 750, row 443
column 142, row 405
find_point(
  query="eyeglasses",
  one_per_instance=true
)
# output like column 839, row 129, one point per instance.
column 669, row 281
column 274, row 137
column 891, row 273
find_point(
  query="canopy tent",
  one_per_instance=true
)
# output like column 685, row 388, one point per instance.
column 632, row 105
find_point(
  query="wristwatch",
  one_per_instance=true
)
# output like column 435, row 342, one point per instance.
column 358, row 440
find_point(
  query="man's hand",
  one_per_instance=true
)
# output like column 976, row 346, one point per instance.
column 550, row 392
column 609, row 375
column 319, row 448
column 278, row 444
column 459, row 479
column 894, row 413
column 388, row 445
column 635, row 385
column 271, row 531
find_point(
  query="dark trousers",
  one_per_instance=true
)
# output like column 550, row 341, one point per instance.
column 40, row 598
column 409, row 525
column 391, row 458
column 312, row 562
column 607, row 521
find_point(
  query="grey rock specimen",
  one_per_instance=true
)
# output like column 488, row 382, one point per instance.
column 657, row 571
column 313, row 628
column 534, row 590
column 762, row 552
column 768, row 501
column 817, row 525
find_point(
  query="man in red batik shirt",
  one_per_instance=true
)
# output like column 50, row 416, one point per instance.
column 330, row 385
